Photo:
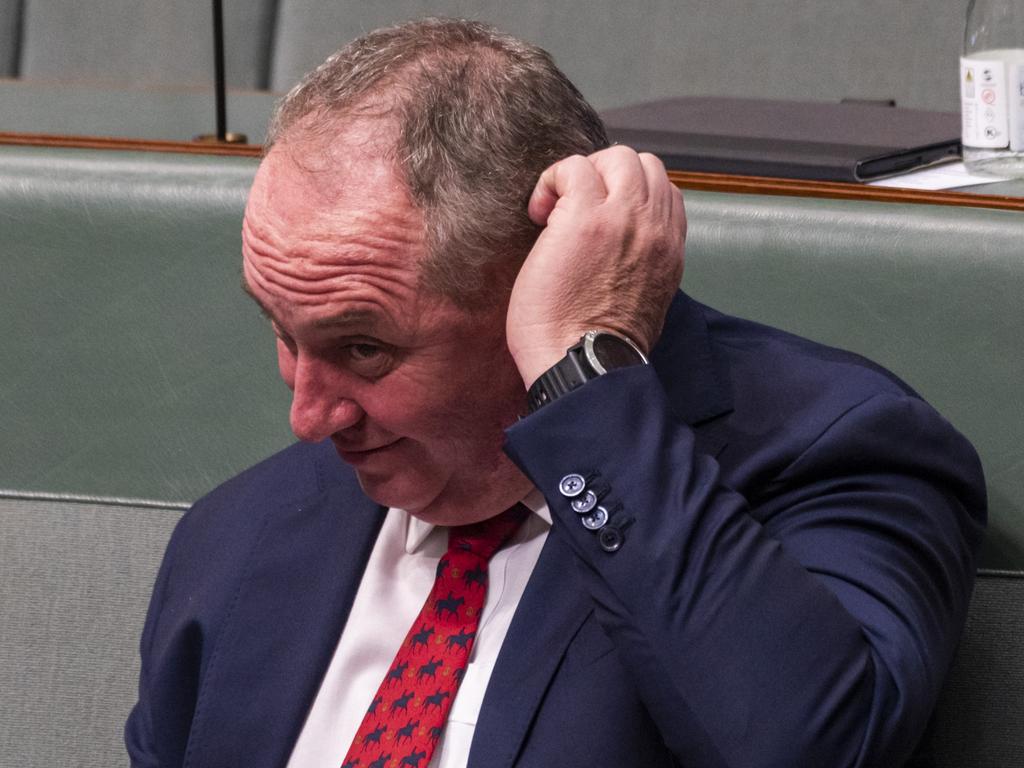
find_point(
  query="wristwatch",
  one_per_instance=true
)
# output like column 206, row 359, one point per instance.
column 596, row 353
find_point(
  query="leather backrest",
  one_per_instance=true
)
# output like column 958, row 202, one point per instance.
column 133, row 365
column 932, row 293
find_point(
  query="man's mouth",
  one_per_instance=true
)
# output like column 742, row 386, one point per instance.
column 357, row 455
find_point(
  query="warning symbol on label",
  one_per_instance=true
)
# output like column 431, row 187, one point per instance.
column 988, row 96
column 970, row 75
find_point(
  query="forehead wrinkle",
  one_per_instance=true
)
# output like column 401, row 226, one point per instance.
column 353, row 243
column 347, row 244
column 318, row 291
column 316, row 271
column 365, row 297
column 365, row 318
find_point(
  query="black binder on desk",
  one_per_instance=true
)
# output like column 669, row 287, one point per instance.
column 853, row 141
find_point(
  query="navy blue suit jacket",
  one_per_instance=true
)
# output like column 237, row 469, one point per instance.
column 796, row 534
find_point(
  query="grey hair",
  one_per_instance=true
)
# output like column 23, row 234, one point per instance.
column 479, row 114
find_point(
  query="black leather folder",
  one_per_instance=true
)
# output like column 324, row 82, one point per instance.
column 851, row 142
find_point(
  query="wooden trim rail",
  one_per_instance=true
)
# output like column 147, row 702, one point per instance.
column 759, row 185
column 708, row 182
column 137, row 145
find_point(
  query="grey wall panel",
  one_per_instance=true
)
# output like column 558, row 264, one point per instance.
column 620, row 53
column 145, row 42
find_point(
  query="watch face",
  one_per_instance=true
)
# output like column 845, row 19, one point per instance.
column 608, row 352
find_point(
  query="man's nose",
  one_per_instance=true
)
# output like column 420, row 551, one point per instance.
column 321, row 404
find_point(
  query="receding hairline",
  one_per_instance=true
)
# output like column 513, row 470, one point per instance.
column 478, row 114
column 384, row 95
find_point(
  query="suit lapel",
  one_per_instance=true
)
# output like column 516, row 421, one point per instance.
column 549, row 614
column 283, row 629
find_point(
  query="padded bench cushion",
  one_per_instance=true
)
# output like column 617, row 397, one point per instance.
column 979, row 722
column 75, row 579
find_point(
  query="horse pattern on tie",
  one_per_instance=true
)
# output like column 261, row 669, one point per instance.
column 406, row 717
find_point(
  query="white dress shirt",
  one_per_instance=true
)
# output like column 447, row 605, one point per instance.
column 398, row 578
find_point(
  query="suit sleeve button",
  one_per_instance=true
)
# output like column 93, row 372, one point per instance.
column 572, row 485
column 583, row 503
column 596, row 520
column 610, row 538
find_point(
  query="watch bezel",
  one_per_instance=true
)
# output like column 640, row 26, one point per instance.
column 591, row 356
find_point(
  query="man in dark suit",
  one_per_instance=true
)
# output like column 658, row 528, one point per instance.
column 749, row 551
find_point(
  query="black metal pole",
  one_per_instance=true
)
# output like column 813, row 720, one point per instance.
column 218, row 65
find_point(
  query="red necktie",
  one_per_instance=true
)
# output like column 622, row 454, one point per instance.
column 406, row 717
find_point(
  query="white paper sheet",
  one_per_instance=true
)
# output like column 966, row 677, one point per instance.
column 945, row 176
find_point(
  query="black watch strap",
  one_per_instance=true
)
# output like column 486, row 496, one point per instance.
column 560, row 379
column 582, row 362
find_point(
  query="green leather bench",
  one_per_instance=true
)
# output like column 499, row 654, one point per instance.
column 136, row 376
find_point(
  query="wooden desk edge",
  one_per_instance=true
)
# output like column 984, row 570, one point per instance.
column 762, row 185
column 708, row 182
column 134, row 145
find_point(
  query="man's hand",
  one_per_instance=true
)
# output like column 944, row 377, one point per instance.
column 610, row 256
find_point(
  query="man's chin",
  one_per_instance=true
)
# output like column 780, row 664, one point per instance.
column 428, row 504
column 390, row 491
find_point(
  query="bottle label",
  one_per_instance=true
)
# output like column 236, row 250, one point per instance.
column 1016, row 88
column 984, row 102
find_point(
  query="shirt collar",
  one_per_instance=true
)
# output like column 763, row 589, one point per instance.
column 417, row 531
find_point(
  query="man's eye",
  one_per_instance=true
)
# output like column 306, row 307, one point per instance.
column 365, row 351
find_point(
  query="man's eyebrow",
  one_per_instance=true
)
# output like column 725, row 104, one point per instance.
column 361, row 317
column 350, row 317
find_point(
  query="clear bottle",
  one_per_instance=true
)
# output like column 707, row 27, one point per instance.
column 992, row 87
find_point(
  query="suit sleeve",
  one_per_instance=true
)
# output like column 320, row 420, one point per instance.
column 807, row 621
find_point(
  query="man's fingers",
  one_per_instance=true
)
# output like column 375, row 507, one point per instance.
column 678, row 208
column 654, row 172
column 574, row 178
column 623, row 173
column 662, row 190
column 617, row 172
